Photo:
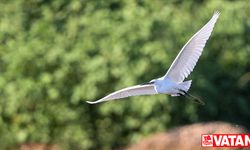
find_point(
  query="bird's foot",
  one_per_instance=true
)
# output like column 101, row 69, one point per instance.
column 191, row 97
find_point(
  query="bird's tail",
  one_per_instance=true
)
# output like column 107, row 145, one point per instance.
column 185, row 85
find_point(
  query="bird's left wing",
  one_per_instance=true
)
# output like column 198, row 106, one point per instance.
column 127, row 92
column 185, row 61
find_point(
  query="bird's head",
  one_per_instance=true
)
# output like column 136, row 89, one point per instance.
column 156, row 81
column 152, row 81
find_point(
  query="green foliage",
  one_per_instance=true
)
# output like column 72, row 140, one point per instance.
column 55, row 55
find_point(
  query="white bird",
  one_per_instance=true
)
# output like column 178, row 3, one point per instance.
column 172, row 82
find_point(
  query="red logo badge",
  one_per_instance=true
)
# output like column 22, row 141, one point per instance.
column 206, row 140
column 225, row 140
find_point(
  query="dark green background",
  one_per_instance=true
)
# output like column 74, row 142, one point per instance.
column 55, row 55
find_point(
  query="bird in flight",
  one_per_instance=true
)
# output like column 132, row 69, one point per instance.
column 172, row 82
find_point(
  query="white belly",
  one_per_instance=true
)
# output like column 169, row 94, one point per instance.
column 167, row 86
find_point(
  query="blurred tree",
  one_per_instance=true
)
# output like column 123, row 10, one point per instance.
column 54, row 55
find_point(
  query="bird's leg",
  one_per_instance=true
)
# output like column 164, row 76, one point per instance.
column 191, row 97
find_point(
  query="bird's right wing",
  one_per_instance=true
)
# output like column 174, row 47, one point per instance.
column 185, row 61
column 127, row 92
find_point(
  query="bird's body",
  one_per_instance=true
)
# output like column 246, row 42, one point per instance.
column 172, row 82
column 166, row 86
column 170, row 87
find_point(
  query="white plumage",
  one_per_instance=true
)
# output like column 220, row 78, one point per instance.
column 130, row 91
column 172, row 82
column 187, row 58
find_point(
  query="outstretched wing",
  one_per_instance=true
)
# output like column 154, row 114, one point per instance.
column 186, row 60
column 127, row 92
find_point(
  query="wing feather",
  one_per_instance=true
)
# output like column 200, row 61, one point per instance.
column 186, row 60
column 127, row 92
